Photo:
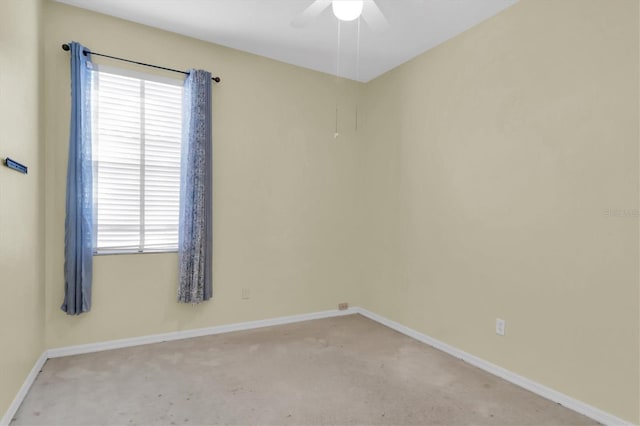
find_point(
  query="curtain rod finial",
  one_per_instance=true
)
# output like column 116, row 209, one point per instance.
column 65, row 47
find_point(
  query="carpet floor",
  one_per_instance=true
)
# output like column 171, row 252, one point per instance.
column 341, row 371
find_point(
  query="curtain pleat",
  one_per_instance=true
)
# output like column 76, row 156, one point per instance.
column 195, row 241
column 78, row 241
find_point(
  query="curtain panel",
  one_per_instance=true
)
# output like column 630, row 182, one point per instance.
column 78, row 238
column 195, row 241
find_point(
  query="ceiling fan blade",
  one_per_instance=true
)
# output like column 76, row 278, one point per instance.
column 310, row 13
column 373, row 16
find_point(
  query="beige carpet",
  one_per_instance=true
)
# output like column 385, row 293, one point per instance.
column 343, row 371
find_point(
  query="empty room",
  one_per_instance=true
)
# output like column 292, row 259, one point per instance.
column 319, row 212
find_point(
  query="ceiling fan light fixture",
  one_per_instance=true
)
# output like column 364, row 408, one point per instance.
column 347, row 10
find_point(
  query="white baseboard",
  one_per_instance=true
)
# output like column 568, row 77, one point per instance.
column 155, row 338
column 548, row 393
column 565, row 400
column 22, row 393
column 186, row 334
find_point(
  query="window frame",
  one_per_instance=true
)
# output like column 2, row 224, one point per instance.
column 125, row 72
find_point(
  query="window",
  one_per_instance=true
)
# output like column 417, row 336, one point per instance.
column 137, row 127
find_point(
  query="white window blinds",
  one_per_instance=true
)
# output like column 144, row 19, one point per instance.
column 137, row 125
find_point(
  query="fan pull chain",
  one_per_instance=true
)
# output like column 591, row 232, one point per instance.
column 336, row 134
column 357, row 66
column 338, row 52
column 358, row 52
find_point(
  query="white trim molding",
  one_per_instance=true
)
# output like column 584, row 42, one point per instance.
column 541, row 390
column 154, row 338
column 187, row 334
column 22, row 393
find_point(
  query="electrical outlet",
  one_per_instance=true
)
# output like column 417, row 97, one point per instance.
column 246, row 294
column 500, row 326
column 343, row 306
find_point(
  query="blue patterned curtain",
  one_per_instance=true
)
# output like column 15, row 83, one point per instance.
column 195, row 246
column 78, row 237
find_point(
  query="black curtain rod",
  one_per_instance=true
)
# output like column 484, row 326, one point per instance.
column 66, row 47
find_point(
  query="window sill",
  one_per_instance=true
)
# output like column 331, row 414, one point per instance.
column 112, row 253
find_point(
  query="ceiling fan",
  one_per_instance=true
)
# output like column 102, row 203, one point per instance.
column 344, row 10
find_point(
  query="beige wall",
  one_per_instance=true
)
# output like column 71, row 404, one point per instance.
column 21, row 218
column 283, row 190
column 476, row 188
column 492, row 160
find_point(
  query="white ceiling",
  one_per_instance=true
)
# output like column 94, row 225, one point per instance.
column 264, row 27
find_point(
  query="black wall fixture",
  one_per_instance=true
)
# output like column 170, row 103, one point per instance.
column 66, row 48
column 12, row 164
